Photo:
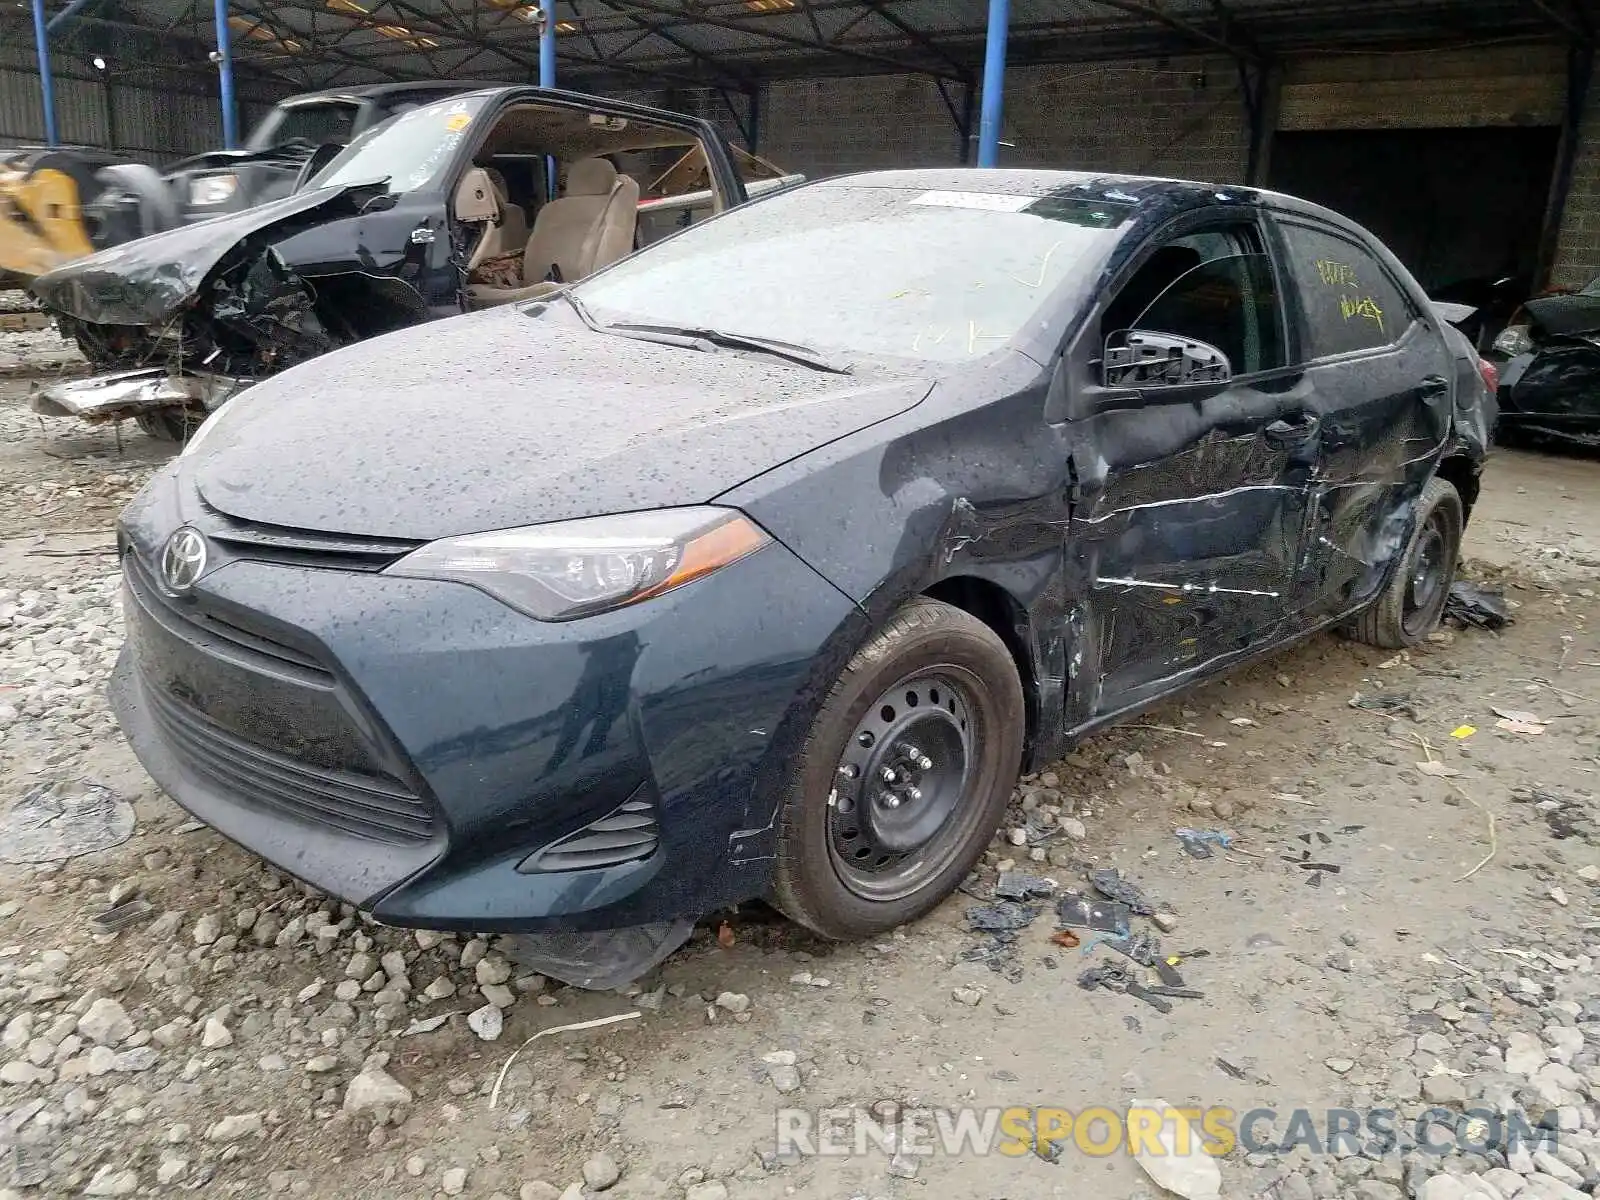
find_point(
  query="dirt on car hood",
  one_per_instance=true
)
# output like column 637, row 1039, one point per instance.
column 514, row 418
column 148, row 281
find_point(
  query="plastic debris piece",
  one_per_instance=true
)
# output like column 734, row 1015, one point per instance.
column 1330, row 868
column 53, row 822
column 1111, row 884
column 1159, row 1003
column 1167, row 968
column 1463, row 731
column 1176, row 992
column 1076, row 911
column 999, row 953
column 1437, row 769
column 1197, row 843
column 1524, row 727
column 1393, row 703
column 1520, row 715
column 124, row 916
column 999, row 918
column 1242, row 722
column 1066, row 939
column 1110, row 974
column 494, row 1094
column 1142, row 948
column 1195, row 1175
column 1018, row 885
column 1229, row 1069
column 427, row 1024
column 602, row 959
column 1469, row 604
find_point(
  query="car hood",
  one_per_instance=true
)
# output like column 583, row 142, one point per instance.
column 145, row 282
column 511, row 418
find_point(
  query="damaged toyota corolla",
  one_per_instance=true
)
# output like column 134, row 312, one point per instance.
column 759, row 563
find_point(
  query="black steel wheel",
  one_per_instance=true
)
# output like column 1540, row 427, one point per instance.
column 1409, row 608
column 905, row 774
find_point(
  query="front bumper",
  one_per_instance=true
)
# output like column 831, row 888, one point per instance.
column 426, row 753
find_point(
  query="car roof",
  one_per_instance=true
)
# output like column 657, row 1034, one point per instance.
column 378, row 90
column 1144, row 192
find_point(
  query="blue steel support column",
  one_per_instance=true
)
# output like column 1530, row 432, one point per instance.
column 230, row 120
column 41, row 41
column 547, row 74
column 994, row 82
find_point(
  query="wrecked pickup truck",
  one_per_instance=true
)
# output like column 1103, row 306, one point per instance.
column 480, row 199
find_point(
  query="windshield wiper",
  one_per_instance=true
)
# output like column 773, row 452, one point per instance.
column 688, row 335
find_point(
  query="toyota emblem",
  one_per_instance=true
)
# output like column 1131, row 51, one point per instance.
column 183, row 560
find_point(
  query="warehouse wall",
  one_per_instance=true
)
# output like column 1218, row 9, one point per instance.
column 1578, row 252
column 1180, row 117
column 146, row 111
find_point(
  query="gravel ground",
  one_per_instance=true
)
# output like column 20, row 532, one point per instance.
column 249, row 1037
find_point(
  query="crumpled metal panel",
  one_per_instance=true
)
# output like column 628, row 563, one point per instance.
column 146, row 282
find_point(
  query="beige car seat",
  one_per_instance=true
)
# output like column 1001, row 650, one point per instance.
column 508, row 231
column 590, row 227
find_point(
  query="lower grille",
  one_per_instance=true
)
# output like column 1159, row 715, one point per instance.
column 364, row 806
column 623, row 835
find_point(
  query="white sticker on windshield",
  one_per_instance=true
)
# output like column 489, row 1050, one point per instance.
column 990, row 201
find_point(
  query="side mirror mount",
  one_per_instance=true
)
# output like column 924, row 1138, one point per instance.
column 1137, row 358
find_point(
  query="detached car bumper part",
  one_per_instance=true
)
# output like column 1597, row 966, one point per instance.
column 425, row 752
column 128, row 393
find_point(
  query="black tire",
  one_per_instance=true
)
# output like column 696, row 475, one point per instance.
column 1408, row 610
column 169, row 424
column 959, row 693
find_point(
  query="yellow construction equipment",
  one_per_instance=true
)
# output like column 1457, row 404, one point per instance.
column 42, row 198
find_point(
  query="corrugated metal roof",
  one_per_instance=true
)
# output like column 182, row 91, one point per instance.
column 608, row 43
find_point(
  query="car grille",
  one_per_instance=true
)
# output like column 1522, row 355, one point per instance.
column 360, row 805
column 301, row 547
column 628, row 832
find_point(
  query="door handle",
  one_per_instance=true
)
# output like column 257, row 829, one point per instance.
column 1433, row 387
column 1293, row 429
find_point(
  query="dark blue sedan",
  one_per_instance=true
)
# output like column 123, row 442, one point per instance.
column 760, row 563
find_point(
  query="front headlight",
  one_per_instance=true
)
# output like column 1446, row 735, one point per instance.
column 212, row 189
column 574, row 568
column 1513, row 340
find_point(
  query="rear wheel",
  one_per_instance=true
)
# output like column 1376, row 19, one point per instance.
column 904, row 776
column 1408, row 610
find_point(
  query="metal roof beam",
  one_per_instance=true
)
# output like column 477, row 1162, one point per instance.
column 315, row 51
column 666, row 35
column 918, row 36
column 655, row 8
column 1234, row 30
column 1572, row 20
column 1153, row 11
column 424, row 27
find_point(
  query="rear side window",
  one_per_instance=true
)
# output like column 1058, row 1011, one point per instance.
column 1351, row 303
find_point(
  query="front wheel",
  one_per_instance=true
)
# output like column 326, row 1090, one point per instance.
column 1408, row 610
column 904, row 776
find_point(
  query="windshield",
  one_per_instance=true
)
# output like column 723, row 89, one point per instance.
column 940, row 275
column 409, row 150
column 331, row 121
